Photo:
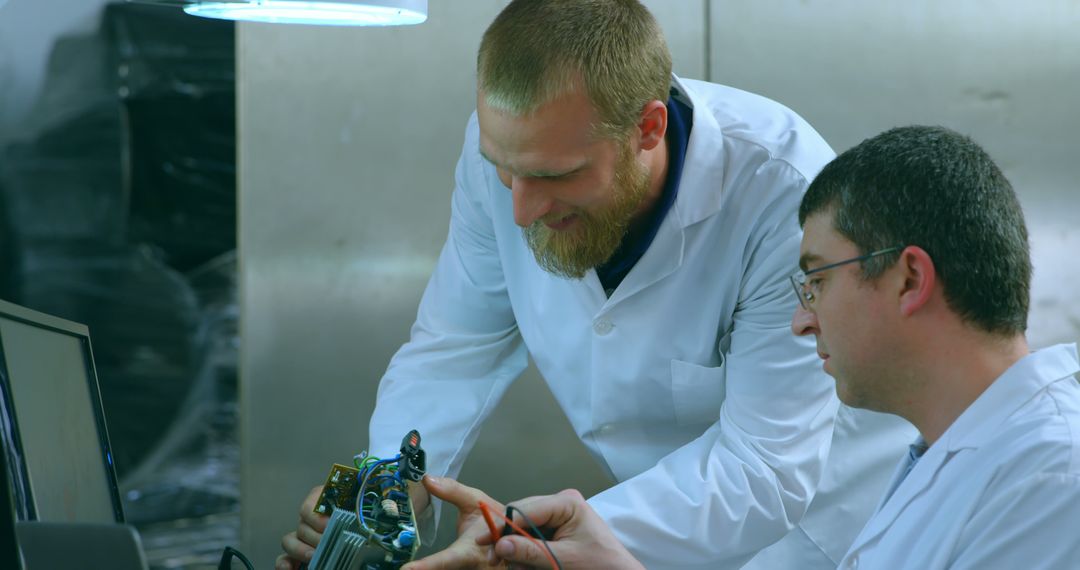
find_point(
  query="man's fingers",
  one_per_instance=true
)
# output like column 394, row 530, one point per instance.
column 296, row 549
column 452, row 558
column 461, row 496
column 283, row 562
column 309, row 501
column 308, row 514
column 521, row 550
column 308, row 535
column 551, row 511
column 572, row 495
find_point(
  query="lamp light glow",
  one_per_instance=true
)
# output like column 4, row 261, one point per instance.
column 334, row 13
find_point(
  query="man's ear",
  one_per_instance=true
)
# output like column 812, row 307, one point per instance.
column 919, row 278
column 653, row 124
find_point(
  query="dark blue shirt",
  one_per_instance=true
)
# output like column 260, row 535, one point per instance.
column 634, row 245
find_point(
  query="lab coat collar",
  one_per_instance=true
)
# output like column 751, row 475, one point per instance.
column 701, row 185
column 663, row 258
column 698, row 198
column 902, row 492
column 1007, row 394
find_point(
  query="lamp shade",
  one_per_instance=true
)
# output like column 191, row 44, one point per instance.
column 319, row 12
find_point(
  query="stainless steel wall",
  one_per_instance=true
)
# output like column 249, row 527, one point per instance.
column 1006, row 73
column 347, row 142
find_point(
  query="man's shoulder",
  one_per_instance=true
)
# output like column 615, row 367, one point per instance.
column 1042, row 436
column 749, row 121
column 472, row 133
column 471, row 162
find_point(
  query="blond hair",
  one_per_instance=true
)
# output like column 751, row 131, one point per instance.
column 537, row 50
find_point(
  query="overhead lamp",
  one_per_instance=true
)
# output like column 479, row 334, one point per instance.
column 319, row 12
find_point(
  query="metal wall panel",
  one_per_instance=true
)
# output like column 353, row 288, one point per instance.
column 1006, row 73
column 347, row 144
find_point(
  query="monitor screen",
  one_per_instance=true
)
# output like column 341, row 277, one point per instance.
column 56, row 437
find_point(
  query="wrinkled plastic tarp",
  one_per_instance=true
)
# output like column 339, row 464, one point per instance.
column 118, row 210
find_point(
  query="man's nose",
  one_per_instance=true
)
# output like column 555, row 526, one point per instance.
column 804, row 322
column 530, row 202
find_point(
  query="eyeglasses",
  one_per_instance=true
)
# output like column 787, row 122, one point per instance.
column 805, row 291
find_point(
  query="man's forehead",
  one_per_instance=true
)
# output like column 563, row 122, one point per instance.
column 534, row 145
column 531, row 163
column 569, row 115
column 820, row 240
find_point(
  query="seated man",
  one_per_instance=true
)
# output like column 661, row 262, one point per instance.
column 914, row 281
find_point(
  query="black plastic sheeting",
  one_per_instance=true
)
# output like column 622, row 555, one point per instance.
column 176, row 77
column 118, row 210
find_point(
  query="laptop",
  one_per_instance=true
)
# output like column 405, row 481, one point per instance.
column 61, row 480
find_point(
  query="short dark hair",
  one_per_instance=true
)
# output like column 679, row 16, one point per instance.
column 939, row 190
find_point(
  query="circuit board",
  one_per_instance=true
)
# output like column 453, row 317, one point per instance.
column 372, row 525
column 339, row 490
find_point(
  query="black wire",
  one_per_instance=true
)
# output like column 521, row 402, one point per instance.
column 540, row 535
column 227, row 556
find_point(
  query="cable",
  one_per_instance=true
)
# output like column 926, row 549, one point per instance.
column 368, row 471
column 227, row 556
column 554, row 560
column 539, row 539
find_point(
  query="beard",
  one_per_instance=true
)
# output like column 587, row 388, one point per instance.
column 571, row 253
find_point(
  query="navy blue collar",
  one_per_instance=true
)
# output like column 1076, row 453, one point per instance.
column 636, row 243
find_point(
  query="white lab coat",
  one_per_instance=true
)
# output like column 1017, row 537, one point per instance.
column 999, row 490
column 686, row 384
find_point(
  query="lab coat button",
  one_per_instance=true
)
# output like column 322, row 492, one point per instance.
column 602, row 327
column 606, row 428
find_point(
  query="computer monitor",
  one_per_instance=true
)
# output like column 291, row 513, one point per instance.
column 9, row 544
column 51, row 421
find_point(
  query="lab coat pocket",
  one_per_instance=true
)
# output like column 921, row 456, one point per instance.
column 698, row 392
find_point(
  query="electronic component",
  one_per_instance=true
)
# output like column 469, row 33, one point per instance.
column 339, row 490
column 413, row 459
column 372, row 524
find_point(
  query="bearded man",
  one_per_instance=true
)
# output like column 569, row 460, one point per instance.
column 633, row 232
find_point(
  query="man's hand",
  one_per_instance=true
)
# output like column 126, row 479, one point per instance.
column 466, row 551
column 300, row 544
column 581, row 538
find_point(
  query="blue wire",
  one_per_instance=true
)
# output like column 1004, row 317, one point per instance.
column 361, row 481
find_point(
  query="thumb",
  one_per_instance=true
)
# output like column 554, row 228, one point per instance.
column 520, row 550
